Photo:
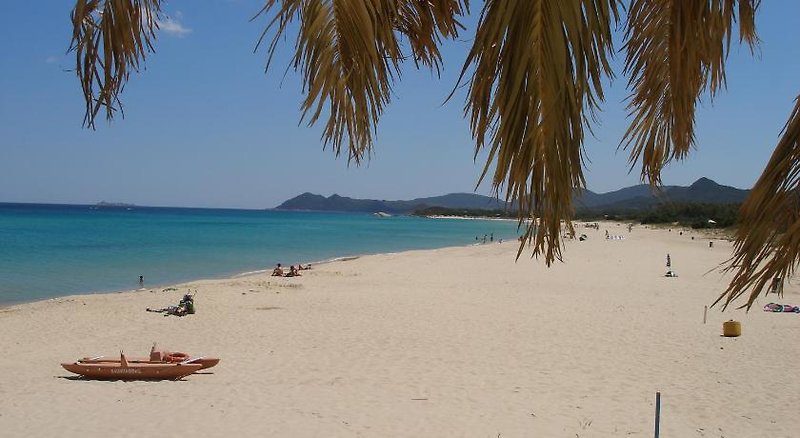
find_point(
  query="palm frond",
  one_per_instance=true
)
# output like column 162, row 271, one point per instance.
column 768, row 238
column 426, row 23
column 676, row 52
column 538, row 67
column 349, row 52
column 110, row 39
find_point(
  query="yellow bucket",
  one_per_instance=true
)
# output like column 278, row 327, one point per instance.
column 731, row 329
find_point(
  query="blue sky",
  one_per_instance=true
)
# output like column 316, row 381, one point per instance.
column 204, row 126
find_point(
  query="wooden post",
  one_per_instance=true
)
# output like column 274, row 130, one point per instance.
column 658, row 412
column 705, row 314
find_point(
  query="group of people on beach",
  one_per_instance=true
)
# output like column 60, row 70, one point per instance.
column 186, row 305
column 485, row 236
column 614, row 236
column 293, row 271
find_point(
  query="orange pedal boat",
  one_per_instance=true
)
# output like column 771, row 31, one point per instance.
column 123, row 369
column 157, row 356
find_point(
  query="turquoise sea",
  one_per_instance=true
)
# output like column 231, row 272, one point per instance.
column 56, row 250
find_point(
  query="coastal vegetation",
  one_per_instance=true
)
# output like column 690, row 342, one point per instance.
column 465, row 212
column 534, row 76
column 694, row 215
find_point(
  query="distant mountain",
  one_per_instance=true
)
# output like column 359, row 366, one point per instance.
column 706, row 190
column 640, row 196
column 310, row 201
column 589, row 199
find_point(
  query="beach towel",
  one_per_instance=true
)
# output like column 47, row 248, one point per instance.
column 781, row 308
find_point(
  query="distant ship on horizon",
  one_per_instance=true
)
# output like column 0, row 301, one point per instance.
column 104, row 204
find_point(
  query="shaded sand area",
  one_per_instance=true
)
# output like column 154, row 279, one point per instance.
column 450, row 342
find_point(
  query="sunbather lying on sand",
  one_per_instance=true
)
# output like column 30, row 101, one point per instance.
column 171, row 310
column 185, row 307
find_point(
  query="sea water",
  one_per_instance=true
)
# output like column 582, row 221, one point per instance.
column 56, row 250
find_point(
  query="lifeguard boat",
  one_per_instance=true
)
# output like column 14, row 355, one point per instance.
column 157, row 356
column 123, row 369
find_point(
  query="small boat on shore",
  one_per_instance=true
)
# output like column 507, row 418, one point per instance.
column 204, row 362
column 123, row 369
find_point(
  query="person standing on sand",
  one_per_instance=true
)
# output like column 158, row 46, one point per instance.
column 669, row 268
column 776, row 286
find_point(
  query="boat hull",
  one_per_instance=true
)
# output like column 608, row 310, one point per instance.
column 134, row 371
column 205, row 362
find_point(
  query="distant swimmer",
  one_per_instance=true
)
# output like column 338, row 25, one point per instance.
column 141, row 281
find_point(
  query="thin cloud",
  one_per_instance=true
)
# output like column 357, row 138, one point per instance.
column 173, row 26
column 51, row 59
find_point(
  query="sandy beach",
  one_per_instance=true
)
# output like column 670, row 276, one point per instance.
column 450, row 342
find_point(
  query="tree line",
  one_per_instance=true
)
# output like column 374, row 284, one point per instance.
column 690, row 214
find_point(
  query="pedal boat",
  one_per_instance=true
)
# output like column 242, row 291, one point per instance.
column 204, row 362
column 123, row 369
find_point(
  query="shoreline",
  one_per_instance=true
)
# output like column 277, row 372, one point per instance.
column 239, row 274
column 455, row 341
column 107, row 252
column 703, row 233
column 471, row 218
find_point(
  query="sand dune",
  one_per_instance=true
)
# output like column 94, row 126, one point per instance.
column 450, row 342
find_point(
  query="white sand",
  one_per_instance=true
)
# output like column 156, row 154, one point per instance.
column 451, row 342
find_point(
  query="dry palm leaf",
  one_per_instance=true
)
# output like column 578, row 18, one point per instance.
column 425, row 23
column 676, row 52
column 349, row 52
column 110, row 39
column 538, row 67
column 768, row 238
